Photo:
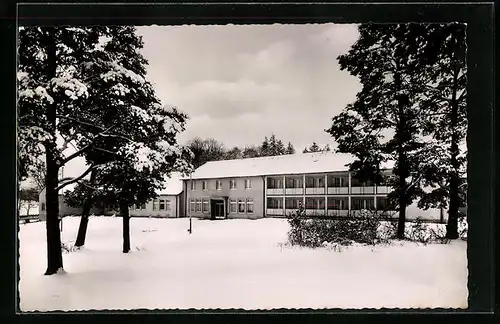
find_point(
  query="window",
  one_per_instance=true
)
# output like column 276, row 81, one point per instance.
column 155, row 204
column 193, row 185
column 241, row 205
column 293, row 182
column 338, row 203
column 43, row 206
column 204, row 185
column 162, row 204
column 137, row 206
column 358, row 203
column 192, row 205
column 315, row 182
column 218, row 185
column 205, row 205
column 275, row 203
column 248, row 184
column 382, row 203
column 292, row 202
column 198, row 205
column 233, row 184
column 232, row 206
column 274, row 183
column 167, row 205
column 355, row 182
column 143, row 206
column 315, row 203
column 250, row 205
column 338, row 181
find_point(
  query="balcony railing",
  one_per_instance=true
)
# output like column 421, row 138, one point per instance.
column 275, row 191
column 294, row 191
column 315, row 212
column 362, row 190
column 338, row 190
column 383, row 189
column 315, row 191
column 274, row 211
column 338, row 212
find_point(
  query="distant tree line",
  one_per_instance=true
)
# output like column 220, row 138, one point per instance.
column 209, row 149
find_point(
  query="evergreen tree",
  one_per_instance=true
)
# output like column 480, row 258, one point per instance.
column 51, row 87
column 384, row 58
column 290, row 149
column 272, row 147
column 265, row 147
column 444, row 66
column 62, row 74
column 316, row 148
column 142, row 125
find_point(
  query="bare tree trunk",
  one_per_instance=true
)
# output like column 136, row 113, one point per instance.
column 126, row 226
column 54, row 252
column 84, row 220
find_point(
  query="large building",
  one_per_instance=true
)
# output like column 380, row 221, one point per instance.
column 276, row 186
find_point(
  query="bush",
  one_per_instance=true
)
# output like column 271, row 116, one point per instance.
column 320, row 232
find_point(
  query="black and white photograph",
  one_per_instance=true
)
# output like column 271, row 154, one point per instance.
column 242, row 166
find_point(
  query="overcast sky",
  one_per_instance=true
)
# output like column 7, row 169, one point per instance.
column 241, row 83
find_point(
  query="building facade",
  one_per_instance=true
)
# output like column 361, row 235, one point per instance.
column 277, row 186
column 169, row 203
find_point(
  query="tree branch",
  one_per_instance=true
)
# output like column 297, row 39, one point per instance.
column 81, row 176
column 79, row 152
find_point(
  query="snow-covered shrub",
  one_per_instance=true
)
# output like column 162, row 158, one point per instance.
column 418, row 231
column 386, row 231
column 317, row 232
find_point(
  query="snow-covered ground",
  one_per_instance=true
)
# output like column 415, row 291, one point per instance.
column 233, row 264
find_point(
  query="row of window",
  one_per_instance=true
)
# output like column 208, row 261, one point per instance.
column 315, row 182
column 332, row 203
column 219, row 186
column 241, row 205
column 199, row 205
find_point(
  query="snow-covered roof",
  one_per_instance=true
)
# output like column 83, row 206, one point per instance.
column 173, row 185
column 271, row 165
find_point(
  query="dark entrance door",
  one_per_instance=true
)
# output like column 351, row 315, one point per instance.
column 217, row 209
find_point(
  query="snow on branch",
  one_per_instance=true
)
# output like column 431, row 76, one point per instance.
column 73, row 88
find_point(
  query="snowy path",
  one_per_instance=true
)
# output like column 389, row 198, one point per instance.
column 232, row 264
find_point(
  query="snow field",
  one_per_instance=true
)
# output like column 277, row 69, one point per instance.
column 232, row 264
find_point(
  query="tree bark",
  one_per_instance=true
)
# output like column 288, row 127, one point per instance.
column 126, row 226
column 54, row 252
column 84, row 220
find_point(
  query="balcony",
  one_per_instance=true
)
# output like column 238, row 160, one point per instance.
column 338, row 213
column 315, row 191
column 338, row 190
column 294, row 191
column 363, row 190
column 383, row 189
column 315, row 212
column 274, row 212
column 274, row 191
